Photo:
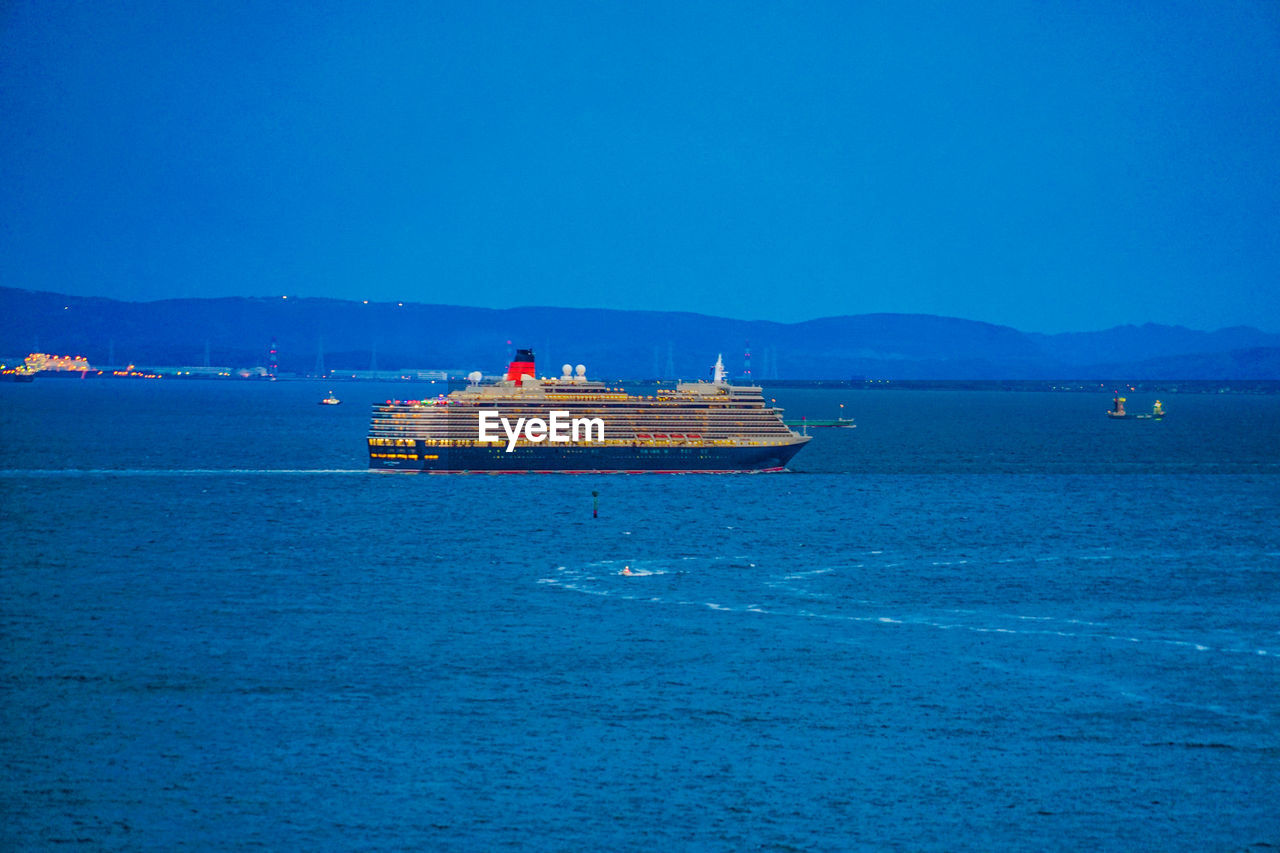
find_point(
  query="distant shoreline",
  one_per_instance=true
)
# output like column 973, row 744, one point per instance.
column 1072, row 386
column 306, row 336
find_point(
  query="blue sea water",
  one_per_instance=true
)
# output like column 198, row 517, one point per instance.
column 981, row 620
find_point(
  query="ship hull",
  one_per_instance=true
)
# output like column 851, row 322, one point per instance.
column 493, row 459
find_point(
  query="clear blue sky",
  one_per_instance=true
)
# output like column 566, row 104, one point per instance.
column 1050, row 166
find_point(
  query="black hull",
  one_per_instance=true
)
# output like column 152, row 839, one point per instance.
column 493, row 459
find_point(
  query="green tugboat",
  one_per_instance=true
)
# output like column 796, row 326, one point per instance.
column 839, row 423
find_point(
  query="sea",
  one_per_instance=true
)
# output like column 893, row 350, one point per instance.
column 980, row 620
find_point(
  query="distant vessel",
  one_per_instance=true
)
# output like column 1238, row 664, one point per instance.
column 836, row 423
column 571, row 424
column 1117, row 410
column 1157, row 412
column 331, row 400
column 818, row 423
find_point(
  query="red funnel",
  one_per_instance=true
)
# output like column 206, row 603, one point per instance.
column 521, row 365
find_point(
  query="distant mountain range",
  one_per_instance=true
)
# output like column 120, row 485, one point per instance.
column 308, row 333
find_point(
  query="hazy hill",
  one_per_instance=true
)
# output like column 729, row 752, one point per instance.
column 1147, row 342
column 237, row 332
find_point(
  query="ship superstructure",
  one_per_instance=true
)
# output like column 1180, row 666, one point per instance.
column 574, row 424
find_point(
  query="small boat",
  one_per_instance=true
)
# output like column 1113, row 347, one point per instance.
column 840, row 423
column 330, row 400
column 1157, row 412
column 1117, row 408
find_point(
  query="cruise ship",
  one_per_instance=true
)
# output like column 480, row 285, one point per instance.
column 523, row 424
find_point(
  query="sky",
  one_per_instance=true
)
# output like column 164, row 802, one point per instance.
column 1051, row 166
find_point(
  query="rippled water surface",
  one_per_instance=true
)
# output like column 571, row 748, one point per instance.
column 978, row 621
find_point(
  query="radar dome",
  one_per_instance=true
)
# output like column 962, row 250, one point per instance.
column 567, row 370
column 582, row 370
column 475, row 376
